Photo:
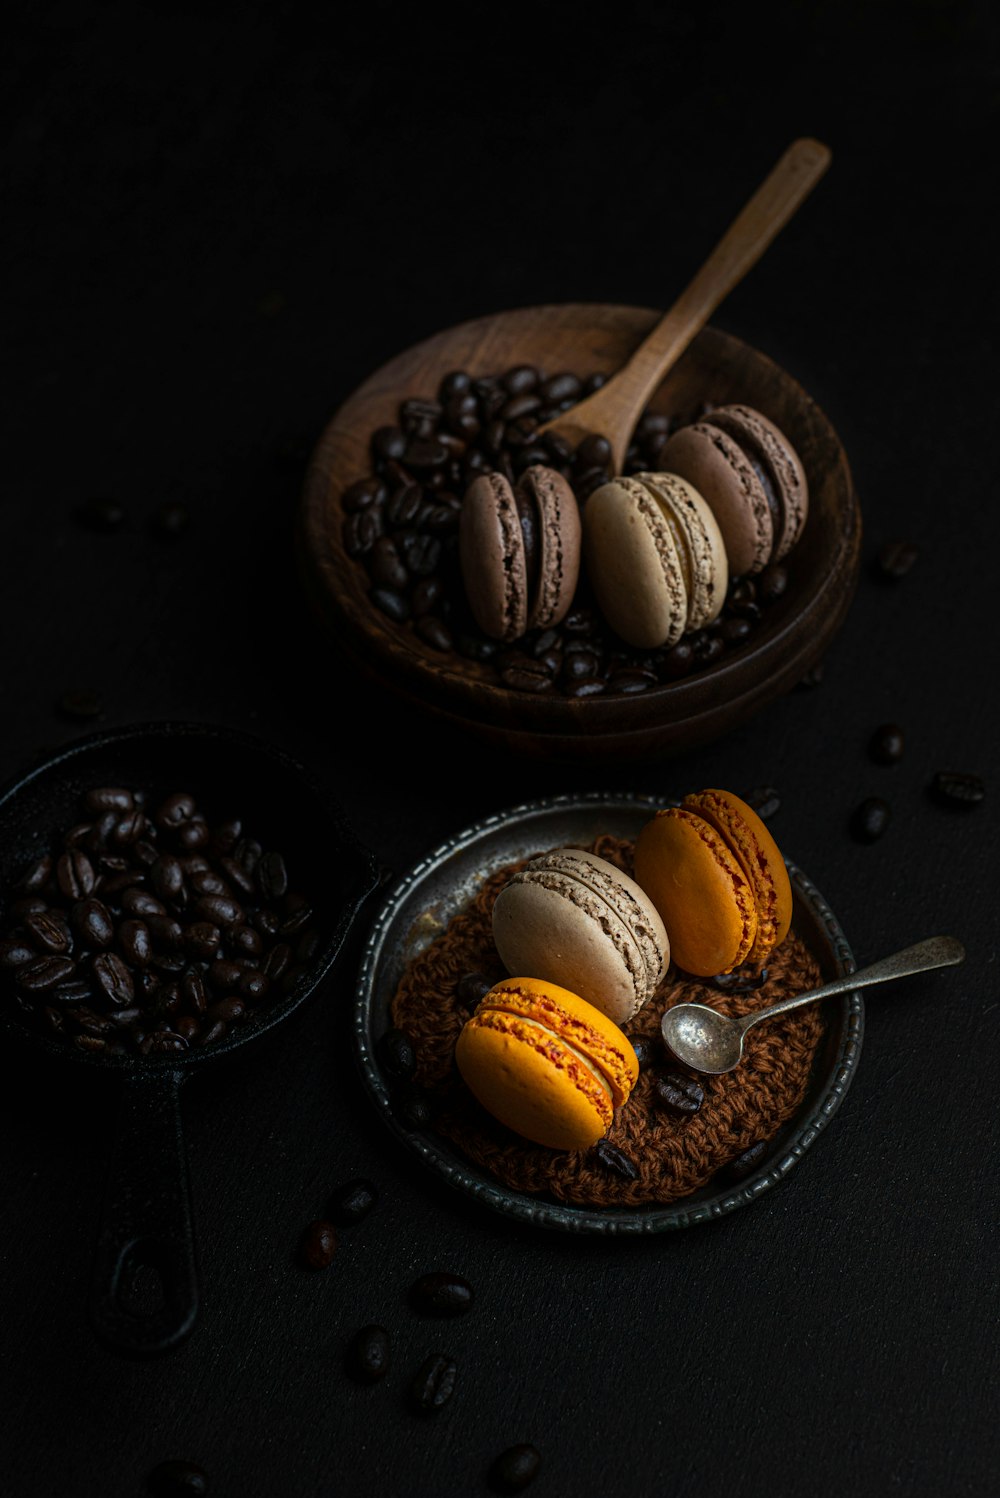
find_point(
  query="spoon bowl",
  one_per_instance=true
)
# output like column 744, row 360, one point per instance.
column 707, row 1041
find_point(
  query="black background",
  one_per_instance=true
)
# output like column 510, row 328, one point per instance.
column 216, row 223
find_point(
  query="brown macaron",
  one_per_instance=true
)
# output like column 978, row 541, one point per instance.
column 519, row 551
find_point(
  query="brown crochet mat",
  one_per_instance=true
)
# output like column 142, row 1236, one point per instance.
column 673, row 1156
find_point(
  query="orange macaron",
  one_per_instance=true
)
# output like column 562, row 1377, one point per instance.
column 718, row 880
column 546, row 1063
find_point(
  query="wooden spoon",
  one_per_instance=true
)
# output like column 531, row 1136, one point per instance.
column 614, row 410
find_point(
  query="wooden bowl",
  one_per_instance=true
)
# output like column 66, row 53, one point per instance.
column 585, row 337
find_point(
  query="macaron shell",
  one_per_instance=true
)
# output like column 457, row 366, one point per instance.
column 560, row 534
column 700, row 890
column 714, row 464
column 576, row 1022
column 707, row 575
column 761, row 861
column 547, row 923
column 631, row 904
column 781, row 462
column 633, row 565
column 491, row 555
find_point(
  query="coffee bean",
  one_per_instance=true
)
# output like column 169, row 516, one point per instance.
column 423, row 454
column 764, row 800
column 527, row 675
column 678, row 661
column 593, row 452
column 193, row 834
column 677, row 1094
column 364, row 492
column 361, row 530
column 386, row 566
column 272, row 876
column 81, row 704
column 735, row 631
column 895, row 559
column 870, row 819
column 472, row 987
column 92, row 1023
column 520, row 379
column 202, row 939
column 426, row 596
column 177, row 1479
column 254, row 985
column 456, row 382
column 368, row 1354
column 441, row 1294
column 113, row 979
column 187, row 1026
column 403, row 507
column 193, row 993
column 75, row 875
column 615, row 1160
column 707, row 648
column 318, row 1245
column 220, row 909
column 631, row 682
column 515, row 1468
column 43, row 973
column 136, row 947
column 277, row 961
column 412, row 1107
column 168, row 878
column 393, row 604
column 957, row 789
column 740, row 980
column 140, row 904
column 230, row 1011
column 15, row 952
column 352, row 1202
column 238, row 875
column 772, row 583
column 246, row 941
column 746, row 1163
column 422, row 554
column 388, row 442
column 298, row 914
column 37, row 874
column 812, row 678
column 396, row 1055
column 95, row 1044
column 886, row 744
column 435, row 633
column 48, row 932
column 212, row 1034
column 646, row 1052
column 109, row 798
column 433, row 1384
column 224, row 976
column 590, row 687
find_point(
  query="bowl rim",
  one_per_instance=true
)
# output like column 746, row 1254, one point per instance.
column 469, row 1180
column 367, row 879
column 396, row 653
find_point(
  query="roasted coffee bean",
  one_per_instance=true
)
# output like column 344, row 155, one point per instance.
column 957, row 789
column 175, row 810
column 308, row 945
column 95, row 1044
column 54, row 1021
column 746, row 1163
column 230, row 1011
column 678, row 661
column 140, row 904
column 518, row 406
column 394, row 605
column 895, row 559
column 48, row 932
column 735, row 631
column 277, row 961
column 37, row 874
column 188, row 1027
column 368, row 1354
column 92, row 1023
column 193, row 993
column 616, row 1160
column 386, row 566
column 527, row 675
column 740, row 980
column 870, row 819
column 75, row 875
column 515, row 1468
column 812, row 678
column 318, row 1245
column 420, row 414
column 168, row 878
column 886, row 744
column 472, row 987
column 29, row 905
column 433, row 1384
column 292, row 978
column 593, row 452
column 396, row 1055
column 44, row 973
column 128, row 829
column 403, row 506
column 163, row 1043
column 435, row 633
column 81, row 704
column 125, row 1017
column 168, row 962
column 772, row 583
column 707, row 648
column 298, row 913
column 677, row 1094
column 412, row 1107
column 109, row 798
column 422, row 554
column 145, row 853
column 388, row 443
column 113, row 979
column 73, row 992
column 361, row 531
column 109, row 886
column 456, row 382
column 424, row 454
column 520, row 379
column 152, row 993
column 202, row 939
column 15, row 952
column 254, row 985
column 245, row 941
column 579, row 665
column 192, row 835
column 177, row 1479
column 441, row 1294
column 646, row 1051
column 426, row 596
column 205, row 881
column 220, row 909
column 360, row 495
column 272, row 876
column 631, row 682
column 352, row 1201
column 591, row 686
column 238, row 875
column 213, row 1033
column 133, row 938
column 224, row 975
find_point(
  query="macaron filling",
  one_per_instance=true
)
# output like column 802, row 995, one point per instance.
column 616, row 1069
column 527, row 514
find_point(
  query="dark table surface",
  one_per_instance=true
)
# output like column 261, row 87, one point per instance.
column 215, row 225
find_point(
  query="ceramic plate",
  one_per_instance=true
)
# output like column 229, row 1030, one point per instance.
column 422, row 903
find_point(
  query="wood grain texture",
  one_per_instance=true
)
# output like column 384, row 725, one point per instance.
column 678, row 715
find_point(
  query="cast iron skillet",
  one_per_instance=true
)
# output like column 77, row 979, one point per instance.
column 146, row 1223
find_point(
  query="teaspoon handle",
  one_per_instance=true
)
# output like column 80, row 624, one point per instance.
column 936, row 951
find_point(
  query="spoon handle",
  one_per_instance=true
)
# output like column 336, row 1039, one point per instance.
column 936, row 951
column 748, row 236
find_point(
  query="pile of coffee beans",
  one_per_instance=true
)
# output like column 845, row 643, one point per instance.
column 400, row 522
column 147, row 931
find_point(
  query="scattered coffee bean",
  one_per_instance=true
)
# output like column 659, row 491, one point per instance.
column 352, row 1202
column 764, row 800
column 886, row 744
column 413, row 1108
column 610, row 1155
column 396, row 1055
column 170, row 519
column 515, row 1468
column 318, row 1245
column 679, row 1095
column 895, row 559
column 81, row 704
column 746, row 1163
column 177, row 1479
column 870, row 819
column 957, row 789
column 441, row 1294
column 812, row 678
column 740, row 980
column 646, row 1051
column 472, row 987
column 368, row 1354
column 433, row 1384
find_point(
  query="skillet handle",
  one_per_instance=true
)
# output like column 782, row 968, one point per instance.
column 144, row 1291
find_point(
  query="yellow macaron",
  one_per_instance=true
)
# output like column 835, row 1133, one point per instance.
column 718, row 880
column 546, row 1063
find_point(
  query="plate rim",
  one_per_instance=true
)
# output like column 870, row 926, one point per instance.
column 469, row 1179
